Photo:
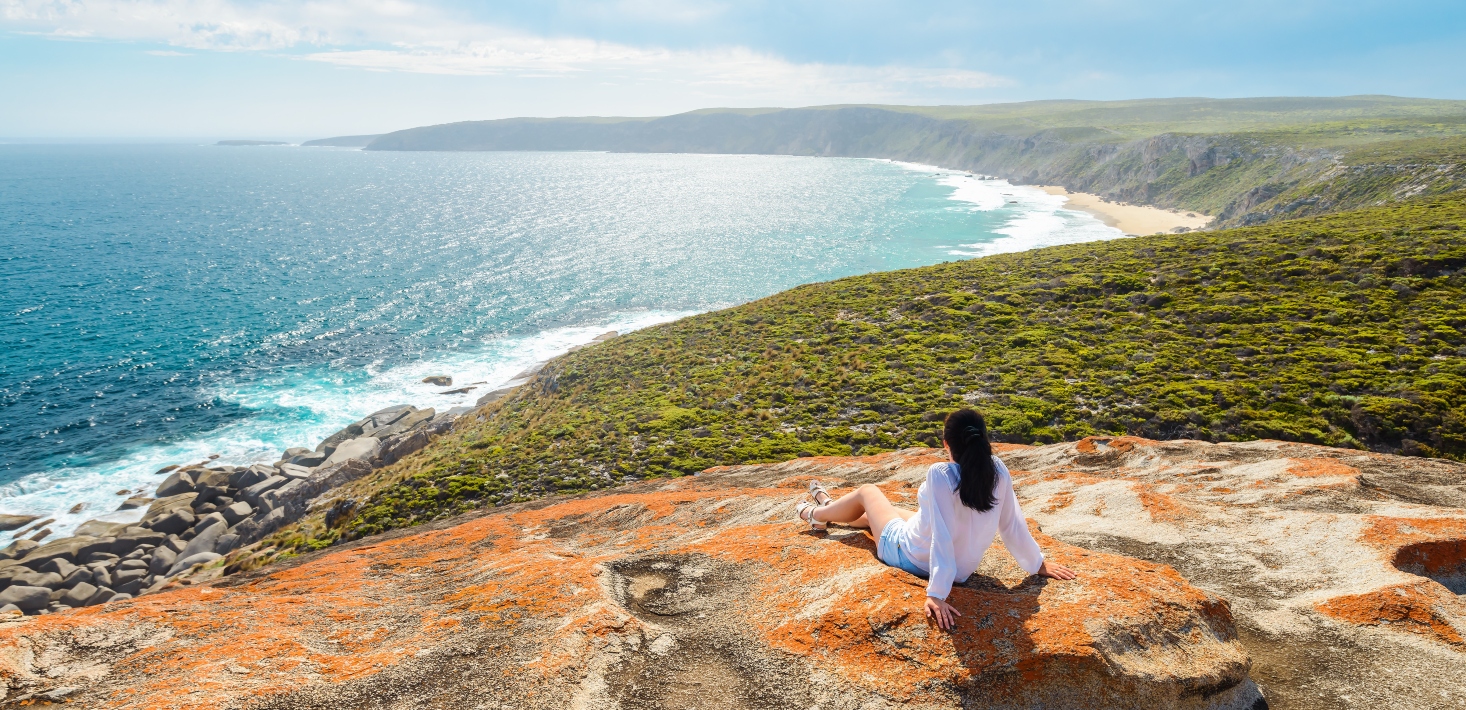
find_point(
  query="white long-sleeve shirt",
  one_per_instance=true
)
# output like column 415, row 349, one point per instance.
column 949, row 539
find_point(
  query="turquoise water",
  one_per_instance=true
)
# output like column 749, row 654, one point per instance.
column 164, row 303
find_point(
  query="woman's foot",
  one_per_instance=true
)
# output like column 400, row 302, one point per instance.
column 805, row 510
column 819, row 494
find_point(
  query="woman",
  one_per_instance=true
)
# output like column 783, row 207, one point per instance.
column 959, row 508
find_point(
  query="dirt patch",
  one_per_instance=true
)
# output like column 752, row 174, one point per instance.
column 466, row 674
column 697, row 675
column 1328, row 668
column 674, row 590
column 698, row 652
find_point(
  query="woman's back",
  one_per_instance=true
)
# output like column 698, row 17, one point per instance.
column 963, row 505
column 948, row 539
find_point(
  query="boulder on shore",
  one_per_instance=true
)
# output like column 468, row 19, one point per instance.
column 366, row 426
column 26, row 598
column 176, row 483
column 309, row 459
column 18, row 549
column 438, row 380
column 135, row 502
column 361, row 449
column 15, row 522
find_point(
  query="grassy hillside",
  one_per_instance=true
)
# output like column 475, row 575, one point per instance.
column 1343, row 330
column 1247, row 161
column 1329, row 120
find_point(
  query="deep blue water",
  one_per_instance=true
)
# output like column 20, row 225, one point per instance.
column 166, row 302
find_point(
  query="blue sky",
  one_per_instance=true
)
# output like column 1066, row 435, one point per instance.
column 247, row 68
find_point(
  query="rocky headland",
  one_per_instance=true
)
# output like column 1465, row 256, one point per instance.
column 200, row 513
column 203, row 512
column 1211, row 576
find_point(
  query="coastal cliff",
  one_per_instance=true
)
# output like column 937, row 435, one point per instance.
column 1246, row 161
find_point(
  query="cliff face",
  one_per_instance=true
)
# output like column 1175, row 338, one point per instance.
column 1332, row 569
column 1246, row 176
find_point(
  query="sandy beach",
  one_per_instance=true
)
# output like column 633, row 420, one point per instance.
column 1131, row 219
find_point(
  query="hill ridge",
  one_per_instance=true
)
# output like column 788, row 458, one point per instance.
column 1248, row 161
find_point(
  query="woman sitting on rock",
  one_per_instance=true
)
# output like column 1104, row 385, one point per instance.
column 959, row 508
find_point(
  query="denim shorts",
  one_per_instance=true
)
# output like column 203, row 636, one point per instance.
column 888, row 549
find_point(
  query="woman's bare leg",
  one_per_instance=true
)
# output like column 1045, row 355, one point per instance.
column 865, row 504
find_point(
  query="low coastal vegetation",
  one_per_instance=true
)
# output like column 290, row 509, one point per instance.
column 1343, row 330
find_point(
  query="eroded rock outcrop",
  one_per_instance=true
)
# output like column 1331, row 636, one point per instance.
column 202, row 513
column 696, row 593
column 1343, row 568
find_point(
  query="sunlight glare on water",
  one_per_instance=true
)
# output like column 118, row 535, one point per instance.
column 164, row 303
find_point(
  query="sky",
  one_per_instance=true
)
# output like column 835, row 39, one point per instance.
column 101, row 69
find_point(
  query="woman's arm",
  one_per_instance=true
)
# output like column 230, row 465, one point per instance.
column 1016, row 537
column 937, row 508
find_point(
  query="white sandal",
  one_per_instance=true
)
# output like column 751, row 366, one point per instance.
column 816, row 490
column 805, row 511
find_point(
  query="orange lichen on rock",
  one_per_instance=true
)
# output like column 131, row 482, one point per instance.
column 1315, row 468
column 577, row 603
column 1389, row 533
column 876, row 635
column 1059, row 501
column 1000, row 448
column 1434, row 558
column 664, row 592
column 1425, row 609
column 1162, row 508
column 1116, row 444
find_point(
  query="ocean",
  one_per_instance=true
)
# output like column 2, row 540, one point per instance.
column 165, row 303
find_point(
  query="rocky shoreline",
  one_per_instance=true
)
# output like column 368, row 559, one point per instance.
column 201, row 512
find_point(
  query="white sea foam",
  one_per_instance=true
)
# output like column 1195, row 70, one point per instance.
column 1035, row 219
column 298, row 409
column 1039, row 220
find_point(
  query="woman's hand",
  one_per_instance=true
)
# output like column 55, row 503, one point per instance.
column 945, row 614
column 1049, row 569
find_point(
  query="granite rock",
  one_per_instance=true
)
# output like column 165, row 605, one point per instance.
column 699, row 592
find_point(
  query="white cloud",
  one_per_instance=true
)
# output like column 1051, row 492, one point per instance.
column 403, row 36
column 212, row 24
column 734, row 71
column 670, row 12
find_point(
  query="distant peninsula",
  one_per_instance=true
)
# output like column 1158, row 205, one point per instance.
column 1246, row 161
column 251, row 143
column 341, row 142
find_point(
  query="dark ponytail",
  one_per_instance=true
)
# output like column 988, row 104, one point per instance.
column 967, row 435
